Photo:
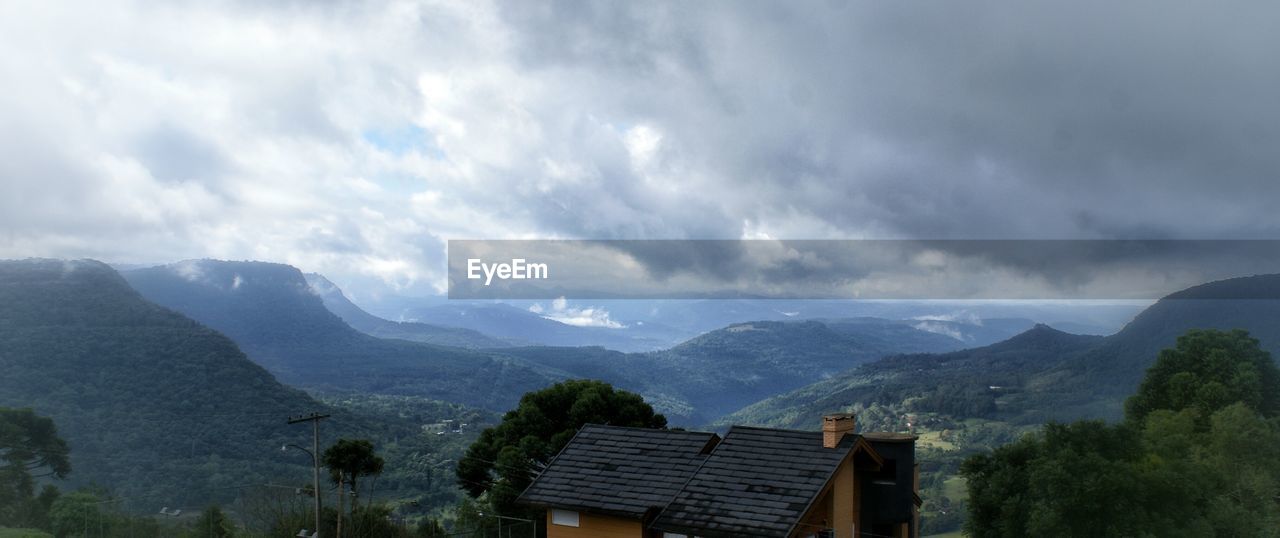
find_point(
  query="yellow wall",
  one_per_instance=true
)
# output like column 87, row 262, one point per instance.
column 596, row 526
column 837, row 506
column 844, row 495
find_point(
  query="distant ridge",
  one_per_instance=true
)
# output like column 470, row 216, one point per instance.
column 958, row 382
column 1043, row 373
column 1116, row 367
column 339, row 304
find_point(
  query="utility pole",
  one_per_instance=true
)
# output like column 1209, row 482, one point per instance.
column 315, row 419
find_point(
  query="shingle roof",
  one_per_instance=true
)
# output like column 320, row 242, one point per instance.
column 622, row 471
column 757, row 482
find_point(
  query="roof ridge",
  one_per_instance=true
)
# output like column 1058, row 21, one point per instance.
column 847, row 455
column 762, row 428
column 642, row 428
column 552, row 460
column 695, row 472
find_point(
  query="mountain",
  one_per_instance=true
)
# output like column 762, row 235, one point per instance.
column 526, row 327
column 971, row 332
column 1116, row 367
column 690, row 317
column 806, row 349
column 1042, row 374
column 148, row 400
column 651, row 325
column 336, row 302
column 723, row 370
column 271, row 312
column 970, row 382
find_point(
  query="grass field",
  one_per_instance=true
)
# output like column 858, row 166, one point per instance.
column 6, row 532
column 952, row 534
column 933, row 439
column 955, row 489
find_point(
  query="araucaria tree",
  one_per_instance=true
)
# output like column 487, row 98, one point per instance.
column 506, row 457
column 29, row 449
column 347, row 461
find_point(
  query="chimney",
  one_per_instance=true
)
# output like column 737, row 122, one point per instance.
column 834, row 427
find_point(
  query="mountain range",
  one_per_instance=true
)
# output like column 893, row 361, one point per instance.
column 653, row 325
column 302, row 331
column 1042, row 374
column 272, row 313
column 164, row 379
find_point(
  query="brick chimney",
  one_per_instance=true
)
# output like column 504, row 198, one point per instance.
column 834, row 427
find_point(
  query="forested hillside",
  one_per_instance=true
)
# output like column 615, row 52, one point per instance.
column 980, row 382
column 1116, row 367
column 269, row 310
column 149, row 401
column 1042, row 374
column 724, row 370
column 970, row 401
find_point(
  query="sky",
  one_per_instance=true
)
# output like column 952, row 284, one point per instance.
column 355, row 138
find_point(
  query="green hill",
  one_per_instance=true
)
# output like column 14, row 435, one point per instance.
column 1116, row 367
column 977, row 382
column 149, row 401
column 270, row 311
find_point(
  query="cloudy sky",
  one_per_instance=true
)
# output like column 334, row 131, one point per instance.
column 354, row 138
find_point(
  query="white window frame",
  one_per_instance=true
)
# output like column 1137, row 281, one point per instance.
column 565, row 518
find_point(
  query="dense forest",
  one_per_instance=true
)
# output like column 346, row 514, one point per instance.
column 1198, row 454
column 160, row 411
column 968, row 402
column 150, row 402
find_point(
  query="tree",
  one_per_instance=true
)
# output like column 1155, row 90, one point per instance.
column 1068, row 480
column 1209, row 370
column 29, row 449
column 506, row 457
column 430, row 528
column 214, row 523
column 347, row 461
column 1198, row 455
column 70, row 514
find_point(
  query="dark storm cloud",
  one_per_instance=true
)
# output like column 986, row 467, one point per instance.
column 239, row 131
column 954, row 120
column 872, row 269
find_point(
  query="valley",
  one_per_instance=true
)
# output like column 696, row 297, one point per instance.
column 136, row 362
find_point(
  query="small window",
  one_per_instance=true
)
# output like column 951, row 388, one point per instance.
column 568, row 518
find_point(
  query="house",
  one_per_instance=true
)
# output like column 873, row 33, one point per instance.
column 615, row 482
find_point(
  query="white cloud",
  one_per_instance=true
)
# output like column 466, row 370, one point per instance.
column 559, row 310
column 963, row 316
column 941, row 328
